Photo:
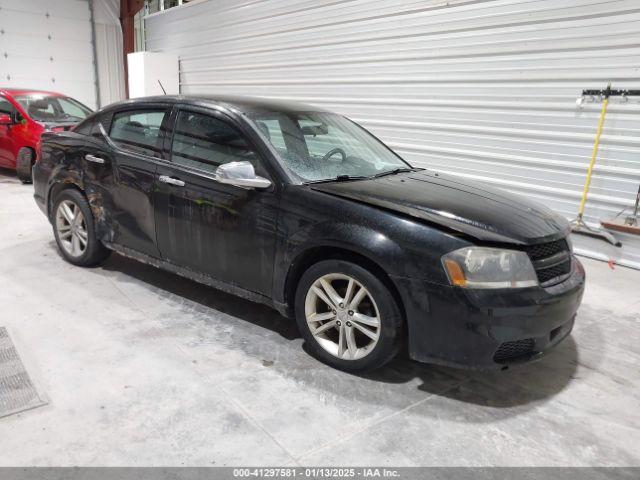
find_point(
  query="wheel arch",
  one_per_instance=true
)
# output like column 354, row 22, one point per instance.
column 65, row 180
column 57, row 188
column 33, row 151
column 315, row 254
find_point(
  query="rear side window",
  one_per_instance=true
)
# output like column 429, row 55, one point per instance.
column 138, row 131
column 205, row 142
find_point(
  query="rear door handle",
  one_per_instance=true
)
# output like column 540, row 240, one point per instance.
column 93, row 158
column 171, row 181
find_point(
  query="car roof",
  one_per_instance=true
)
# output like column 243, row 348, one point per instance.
column 244, row 104
column 22, row 91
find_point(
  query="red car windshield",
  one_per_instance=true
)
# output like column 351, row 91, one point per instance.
column 49, row 108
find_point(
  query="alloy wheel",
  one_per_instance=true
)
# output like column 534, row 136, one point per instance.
column 342, row 316
column 71, row 228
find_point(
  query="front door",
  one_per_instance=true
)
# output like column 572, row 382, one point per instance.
column 7, row 147
column 222, row 230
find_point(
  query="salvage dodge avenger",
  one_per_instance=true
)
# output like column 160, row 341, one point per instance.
column 306, row 211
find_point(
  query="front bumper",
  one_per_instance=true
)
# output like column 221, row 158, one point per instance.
column 488, row 329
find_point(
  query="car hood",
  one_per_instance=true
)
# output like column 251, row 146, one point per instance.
column 472, row 208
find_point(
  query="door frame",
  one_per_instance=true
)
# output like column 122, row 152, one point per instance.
column 116, row 152
column 255, row 142
column 209, row 182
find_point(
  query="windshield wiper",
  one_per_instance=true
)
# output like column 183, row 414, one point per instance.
column 339, row 178
column 395, row 171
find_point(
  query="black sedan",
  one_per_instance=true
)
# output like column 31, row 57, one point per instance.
column 306, row 211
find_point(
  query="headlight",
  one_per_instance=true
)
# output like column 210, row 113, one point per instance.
column 480, row 267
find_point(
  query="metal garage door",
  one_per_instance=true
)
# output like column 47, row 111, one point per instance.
column 484, row 89
column 46, row 45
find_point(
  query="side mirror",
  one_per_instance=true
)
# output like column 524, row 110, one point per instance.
column 5, row 119
column 240, row 174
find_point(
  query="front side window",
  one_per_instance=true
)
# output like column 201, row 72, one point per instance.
column 50, row 108
column 317, row 146
column 205, row 142
column 138, row 131
column 6, row 106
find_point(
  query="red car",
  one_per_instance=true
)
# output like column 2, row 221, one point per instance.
column 24, row 115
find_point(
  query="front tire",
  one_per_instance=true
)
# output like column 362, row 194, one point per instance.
column 347, row 316
column 73, row 228
column 24, row 163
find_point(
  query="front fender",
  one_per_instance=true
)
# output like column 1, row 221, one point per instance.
column 400, row 246
column 360, row 239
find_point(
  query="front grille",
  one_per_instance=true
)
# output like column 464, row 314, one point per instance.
column 546, row 270
column 545, row 275
column 512, row 350
column 545, row 250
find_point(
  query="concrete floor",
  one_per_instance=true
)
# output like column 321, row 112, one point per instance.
column 142, row 367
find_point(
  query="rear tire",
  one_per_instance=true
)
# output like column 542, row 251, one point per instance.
column 73, row 227
column 24, row 163
column 347, row 316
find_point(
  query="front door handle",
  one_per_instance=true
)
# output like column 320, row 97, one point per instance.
column 93, row 158
column 171, row 181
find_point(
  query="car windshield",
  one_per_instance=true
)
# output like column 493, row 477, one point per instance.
column 50, row 108
column 318, row 146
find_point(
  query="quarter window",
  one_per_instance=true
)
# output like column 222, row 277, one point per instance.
column 91, row 127
column 203, row 142
column 85, row 127
column 138, row 131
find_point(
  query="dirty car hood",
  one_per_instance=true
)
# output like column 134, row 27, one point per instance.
column 468, row 207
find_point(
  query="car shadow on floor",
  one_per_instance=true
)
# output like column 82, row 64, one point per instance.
column 516, row 386
column 204, row 295
column 8, row 176
column 519, row 386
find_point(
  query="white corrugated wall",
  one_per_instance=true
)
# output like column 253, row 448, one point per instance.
column 108, row 36
column 484, row 89
column 46, row 45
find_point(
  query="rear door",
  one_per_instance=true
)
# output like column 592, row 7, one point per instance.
column 136, row 137
column 225, row 231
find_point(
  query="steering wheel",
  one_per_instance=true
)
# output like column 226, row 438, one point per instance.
column 332, row 152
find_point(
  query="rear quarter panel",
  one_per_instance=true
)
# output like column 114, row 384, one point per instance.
column 62, row 164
